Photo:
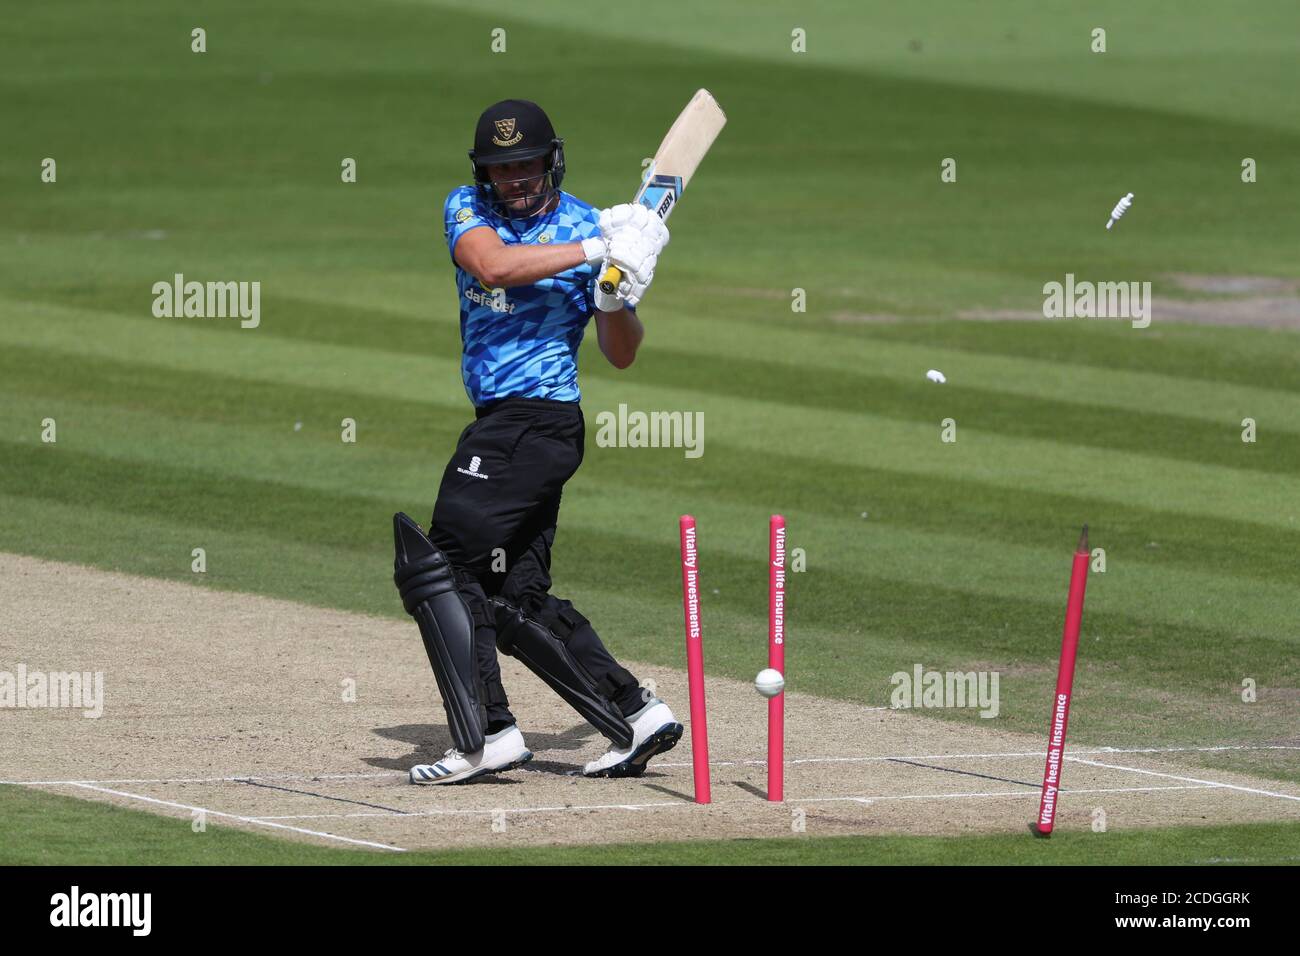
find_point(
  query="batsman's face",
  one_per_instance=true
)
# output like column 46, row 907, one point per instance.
column 519, row 184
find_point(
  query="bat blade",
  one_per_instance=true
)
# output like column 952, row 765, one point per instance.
column 684, row 147
column 686, row 143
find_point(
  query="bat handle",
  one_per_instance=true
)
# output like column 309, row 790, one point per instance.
column 610, row 280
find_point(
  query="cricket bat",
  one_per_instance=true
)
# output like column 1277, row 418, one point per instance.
column 684, row 146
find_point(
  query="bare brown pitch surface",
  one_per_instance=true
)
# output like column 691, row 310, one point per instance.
column 234, row 704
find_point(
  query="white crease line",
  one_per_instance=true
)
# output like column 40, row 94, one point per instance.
column 686, row 805
column 1174, row 776
column 242, row 819
column 1193, row 786
column 485, row 811
column 1039, row 754
column 993, row 793
column 1175, row 750
column 244, row 778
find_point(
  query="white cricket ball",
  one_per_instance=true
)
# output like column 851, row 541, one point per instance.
column 769, row 682
column 935, row 375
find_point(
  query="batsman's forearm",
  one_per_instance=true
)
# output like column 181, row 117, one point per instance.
column 619, row 335
column 512, row 265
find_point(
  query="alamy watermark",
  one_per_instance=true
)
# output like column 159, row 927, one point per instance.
column 636, row 429
column 70, row 690
column 1098, row 300
column 129, row 910
column 959, row 689
column 208, row 300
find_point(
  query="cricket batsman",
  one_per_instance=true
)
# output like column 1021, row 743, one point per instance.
column 527, row 257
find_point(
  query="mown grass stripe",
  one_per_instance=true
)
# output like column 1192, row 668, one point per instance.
column 204, row 497
column 1189, row 417
column 1230, row 356
column 245, row 430
column 223, row 350
column 919, row 401
column 908, row 449
column 860, row 439
column 1149, row 380
column 391, row 464
column 204, row 421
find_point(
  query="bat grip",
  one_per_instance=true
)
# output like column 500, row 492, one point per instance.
column 610, row 280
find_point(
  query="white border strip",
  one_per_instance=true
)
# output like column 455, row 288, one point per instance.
column 1174, row 776
column 687, row 805
column 1038, row 754
column 241, row 819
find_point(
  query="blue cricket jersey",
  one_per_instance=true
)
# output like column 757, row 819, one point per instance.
column 530, row 348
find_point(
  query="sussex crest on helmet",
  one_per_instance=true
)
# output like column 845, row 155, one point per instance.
column 506, row 135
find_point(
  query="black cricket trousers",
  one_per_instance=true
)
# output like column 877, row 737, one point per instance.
column 495, row 519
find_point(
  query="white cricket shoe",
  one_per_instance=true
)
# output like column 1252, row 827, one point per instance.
column 501, row 751
column 654, row 731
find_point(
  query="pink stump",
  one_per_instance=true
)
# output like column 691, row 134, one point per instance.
column 1064, row 688
column 695, row 658
column 776, row 571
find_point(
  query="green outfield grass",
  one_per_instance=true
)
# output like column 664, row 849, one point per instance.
column 175, row 434
column 46, row 829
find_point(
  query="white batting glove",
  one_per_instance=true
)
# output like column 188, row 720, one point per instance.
column 628, row 292
column 615, row 218
column 633, row 291
column 607, row 301
column 656, row 233
column 595, row 250
column 634, row 216
column 634, row 255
